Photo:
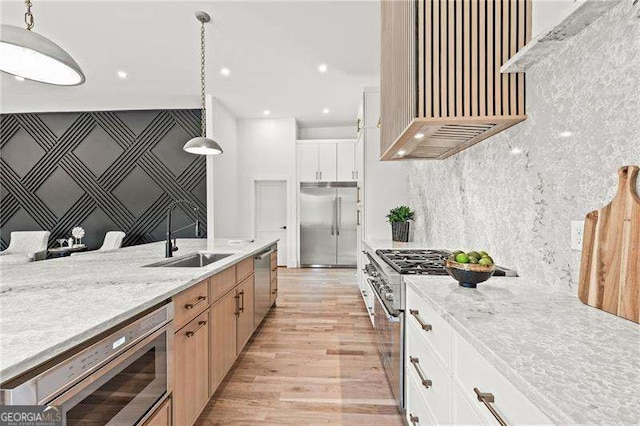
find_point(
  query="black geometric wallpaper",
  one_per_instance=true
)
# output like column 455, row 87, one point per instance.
column 102, row 171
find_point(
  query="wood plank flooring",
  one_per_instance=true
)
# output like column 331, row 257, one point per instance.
column 313, row 362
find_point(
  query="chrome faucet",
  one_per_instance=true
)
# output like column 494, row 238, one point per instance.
column 169, row 246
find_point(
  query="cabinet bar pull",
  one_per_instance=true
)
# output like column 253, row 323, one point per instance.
column 200, row 299
column 242, row 305
column 416, row 315
column 425, row 382
column 200, row 325
column 237, row 297
column 487, row 399
column 414, row 419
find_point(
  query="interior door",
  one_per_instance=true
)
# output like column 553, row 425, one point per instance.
column 346, row 154
column 347, row 227
column 271, row 214
column 327, row 161
column 317, row 226
column 307, row 162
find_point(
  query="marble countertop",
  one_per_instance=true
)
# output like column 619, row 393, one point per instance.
column 50, row 306
column 578, row 364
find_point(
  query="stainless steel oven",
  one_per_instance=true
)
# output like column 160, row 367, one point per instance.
column 389, row 326
column 389, row 330
column 118, row 380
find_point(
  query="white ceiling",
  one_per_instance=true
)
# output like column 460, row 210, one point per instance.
column 273, row 50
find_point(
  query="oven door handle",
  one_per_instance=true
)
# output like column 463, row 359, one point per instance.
column 390, row 317
column 105, row 369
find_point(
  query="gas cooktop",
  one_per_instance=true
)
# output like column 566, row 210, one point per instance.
column 416, row 262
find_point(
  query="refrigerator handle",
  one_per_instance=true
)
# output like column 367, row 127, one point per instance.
column 339, row 216
column 333, row 219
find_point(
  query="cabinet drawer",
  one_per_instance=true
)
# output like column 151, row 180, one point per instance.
column 222, row 282
column 416, row 411
column 439, row 333
column 162, row 416
column 474, row 371
column 190, row 303
column 464, row 411
column 244, row 269
column 421, row 360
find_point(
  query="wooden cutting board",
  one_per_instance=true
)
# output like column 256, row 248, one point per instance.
column 610, row 267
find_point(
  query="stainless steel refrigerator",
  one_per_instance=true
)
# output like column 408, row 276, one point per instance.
column 328, row 216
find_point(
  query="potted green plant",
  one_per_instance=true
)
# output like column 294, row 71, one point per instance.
column 399, row 218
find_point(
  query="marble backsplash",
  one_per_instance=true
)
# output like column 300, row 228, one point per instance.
column 516, row 193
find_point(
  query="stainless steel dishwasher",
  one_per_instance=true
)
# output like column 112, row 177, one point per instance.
column 262, row 285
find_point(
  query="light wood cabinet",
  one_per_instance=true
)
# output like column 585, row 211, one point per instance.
column 190, row 303
column 442, row 90
column 162, row 415
column 246, row 325
column 222, row 282
column 244, row 269
column 273, row 287
column 191, row 370
column 223, row 347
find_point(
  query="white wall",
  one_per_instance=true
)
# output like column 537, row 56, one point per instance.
column 227, row 223
column 385, row 181
column 266, row 150
column 341, row 132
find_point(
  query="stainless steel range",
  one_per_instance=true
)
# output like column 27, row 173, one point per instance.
column 384, row 273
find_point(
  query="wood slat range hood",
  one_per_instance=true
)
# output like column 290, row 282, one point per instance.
column 442, row 90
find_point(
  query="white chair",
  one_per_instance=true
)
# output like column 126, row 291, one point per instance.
column 112, row 241
column 25, row 247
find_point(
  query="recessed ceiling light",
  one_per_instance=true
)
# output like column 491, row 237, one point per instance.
column 266, row 112
column 322, row 68
column 419, row 135
column 566, row 134
column 516, row 150
column 326, row 111
column 122, row 74
column 401, row 153
column 18, row 78
column 225, row 71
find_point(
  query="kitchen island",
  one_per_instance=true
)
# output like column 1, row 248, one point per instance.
column 574, row 363
column 49, row 307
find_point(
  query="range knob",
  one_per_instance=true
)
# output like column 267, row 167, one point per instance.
column 388, row 296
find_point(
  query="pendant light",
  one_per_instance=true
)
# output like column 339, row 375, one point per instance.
column 202, row 145
column 26, row 54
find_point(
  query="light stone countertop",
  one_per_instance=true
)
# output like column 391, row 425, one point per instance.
column 578, row 364
column 50, row 306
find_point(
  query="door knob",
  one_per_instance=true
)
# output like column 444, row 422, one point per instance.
column 283, row 227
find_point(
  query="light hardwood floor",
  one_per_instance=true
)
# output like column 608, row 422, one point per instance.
column 313, row 361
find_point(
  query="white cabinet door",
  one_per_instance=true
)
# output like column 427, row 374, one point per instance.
column 308, row 162
column 327, row 161
column 346, row 156
column 359, row 160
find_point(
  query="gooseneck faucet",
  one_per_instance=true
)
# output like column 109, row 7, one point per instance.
column 170, row 247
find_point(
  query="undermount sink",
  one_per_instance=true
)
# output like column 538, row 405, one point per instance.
column 192, row 260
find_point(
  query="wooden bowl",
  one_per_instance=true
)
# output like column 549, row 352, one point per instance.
column 469, row 275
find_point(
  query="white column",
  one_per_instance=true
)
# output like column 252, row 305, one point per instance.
column 210, row 178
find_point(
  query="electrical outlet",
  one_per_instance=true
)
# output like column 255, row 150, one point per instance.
column 577, row 232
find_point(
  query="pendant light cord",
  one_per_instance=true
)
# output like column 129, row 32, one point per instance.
column 28, row 16
column 203, row 119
